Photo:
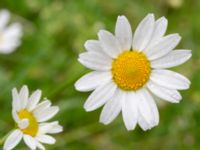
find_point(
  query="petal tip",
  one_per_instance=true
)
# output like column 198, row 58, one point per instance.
column 121, row 17
column 76, row 86
column 151, row 15
column 87, row 108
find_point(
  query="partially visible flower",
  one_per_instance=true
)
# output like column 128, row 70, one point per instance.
column 129, row 68
column 30, row 118
column 10, row 35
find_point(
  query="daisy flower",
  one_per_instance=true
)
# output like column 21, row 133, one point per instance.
column 30, row 118
column 129, row 68
column 10, row 36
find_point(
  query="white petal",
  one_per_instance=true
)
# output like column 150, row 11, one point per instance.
column 94, row 46
column 159, row 30
column 91, row 80
column 43, row 105
column 14, row 31
column 11, row 38
column 112, row 108
column 46, row 139
column 34, row 99
column 46, row 127
column 8, row 45
column 164, row 93
column 143, row 33
column 46, row 114
column 23, row 96
column 99, row 97
column 95, row 61
column 123, row 33
column 40, row 146
column 30, row 141
column 15, row 116
column 4, row 17
column 170, row 79
column 56, row 129
column 163, row 46
column 172, row 59
column 144, row 124
column 50, row 128
column 109, row 43
column 147, row 107
column 12, row 140
column 22, row 124
column 16, row 100
column 130, row 110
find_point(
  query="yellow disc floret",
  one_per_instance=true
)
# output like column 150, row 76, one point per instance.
column 131, row 70
column 32, row 128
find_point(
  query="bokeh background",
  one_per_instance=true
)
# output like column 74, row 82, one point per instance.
column 54, row 35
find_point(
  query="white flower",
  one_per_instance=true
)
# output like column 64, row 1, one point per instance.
column 127, row 68
column 10, row 36
column 30, row 118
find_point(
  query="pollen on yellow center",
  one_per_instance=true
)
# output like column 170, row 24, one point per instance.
column 131, row 70
column 32, row 128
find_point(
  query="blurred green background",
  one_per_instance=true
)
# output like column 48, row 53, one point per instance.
column 54, row 35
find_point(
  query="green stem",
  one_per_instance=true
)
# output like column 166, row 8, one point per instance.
column 87, row 131
column 76, row 75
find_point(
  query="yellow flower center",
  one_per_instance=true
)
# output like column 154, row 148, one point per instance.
column 131, row 70
column 32, row 128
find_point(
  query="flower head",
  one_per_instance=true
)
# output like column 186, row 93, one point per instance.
column 30, row 117
column 10, row 36
column 128, row 67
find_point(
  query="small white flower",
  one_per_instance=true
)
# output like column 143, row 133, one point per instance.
column 127, row 68
column 10, row 36
column 30, row 118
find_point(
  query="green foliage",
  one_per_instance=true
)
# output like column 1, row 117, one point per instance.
column 54, row 35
